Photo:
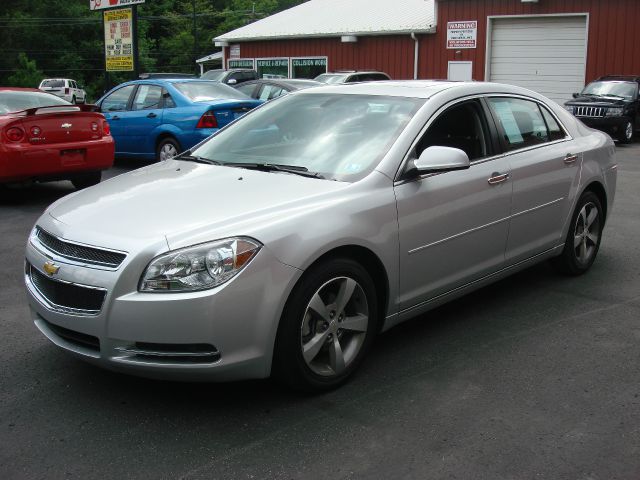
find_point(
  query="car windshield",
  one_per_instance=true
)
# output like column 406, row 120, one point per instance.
column 330, row 78
column 215, row 75
column 617, row 89
column 17, row 101
column 341, row 137
column 52, row 83
column 205, row 91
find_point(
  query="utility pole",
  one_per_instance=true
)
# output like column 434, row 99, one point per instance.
column 195, row 37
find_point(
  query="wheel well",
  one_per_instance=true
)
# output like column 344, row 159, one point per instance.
column 598, row 189
column 372, row 265
column 164, row 135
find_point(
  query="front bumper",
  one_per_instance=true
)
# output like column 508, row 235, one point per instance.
column 226, row 333
column 610, row 125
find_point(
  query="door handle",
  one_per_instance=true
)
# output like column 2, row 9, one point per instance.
column 497, row 178
column 152, row 115
column 115, row 117
column 570, row 158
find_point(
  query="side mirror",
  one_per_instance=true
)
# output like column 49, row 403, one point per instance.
column 575, row 95
column 441, row 159
column 232, row 81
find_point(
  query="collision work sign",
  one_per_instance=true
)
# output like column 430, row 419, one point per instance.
column 462, row 34
column 118, row 42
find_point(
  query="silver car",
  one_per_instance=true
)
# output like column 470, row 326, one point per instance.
column 286, row 242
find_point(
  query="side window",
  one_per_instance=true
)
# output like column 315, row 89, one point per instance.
column 353, row 78
column 462, row 126
column 168, row 101
column 147, row 97
column 555, row 131
column 117, row 101
column 72, row 84
column 521, row 121
column 247, row 89
column 267, row 92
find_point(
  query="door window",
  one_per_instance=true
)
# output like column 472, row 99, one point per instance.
column 267, row 92
column 555, row 130
column 521, row 122
column 462, row 126
column 117, row 101
column 147, row 97
column 168, row 100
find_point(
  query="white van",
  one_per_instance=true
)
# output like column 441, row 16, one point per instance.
column 64, row 88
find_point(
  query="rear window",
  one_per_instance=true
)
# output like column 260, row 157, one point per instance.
column 52, row 83
column 17, row 101
column 205, row 91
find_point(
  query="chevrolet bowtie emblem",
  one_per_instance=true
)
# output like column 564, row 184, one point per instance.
column 51, row 268
column 66, row 125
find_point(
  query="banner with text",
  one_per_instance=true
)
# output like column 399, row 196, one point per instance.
column 118, row 42
column 102, row 4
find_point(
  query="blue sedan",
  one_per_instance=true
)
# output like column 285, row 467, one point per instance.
column 156, row 119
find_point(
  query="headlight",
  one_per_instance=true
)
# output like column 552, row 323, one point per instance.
column 199, row 267
column 569, row 108
column 614, row 111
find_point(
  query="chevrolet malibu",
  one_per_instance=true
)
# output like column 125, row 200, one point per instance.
column 286, row 242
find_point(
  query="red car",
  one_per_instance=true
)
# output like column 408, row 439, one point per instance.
column 45, row 138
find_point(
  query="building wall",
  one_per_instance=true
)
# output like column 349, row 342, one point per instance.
column 613, row 40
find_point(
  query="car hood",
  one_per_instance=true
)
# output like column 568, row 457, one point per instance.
column 178, row 200
column 597, row 101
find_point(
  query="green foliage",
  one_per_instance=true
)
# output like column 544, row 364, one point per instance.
column 26, row 74
column 63, row 38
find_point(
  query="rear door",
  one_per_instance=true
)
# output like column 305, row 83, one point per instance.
column 113, row 107
column 545, row 166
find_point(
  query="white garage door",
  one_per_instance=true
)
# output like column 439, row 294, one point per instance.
column 545, row 54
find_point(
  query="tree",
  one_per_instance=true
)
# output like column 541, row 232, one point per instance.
column 26, row 74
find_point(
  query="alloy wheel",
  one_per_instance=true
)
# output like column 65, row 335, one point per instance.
column 334, row 326
column 168, row 151
column 586, row 233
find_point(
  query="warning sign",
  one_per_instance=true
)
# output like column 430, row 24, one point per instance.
column 462, row 34
column 118, row 40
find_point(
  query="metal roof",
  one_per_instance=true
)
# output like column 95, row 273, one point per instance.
column 322, row 18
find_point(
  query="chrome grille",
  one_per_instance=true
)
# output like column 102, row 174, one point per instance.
column 589, row 111
column 66, row 297
column 81, row 253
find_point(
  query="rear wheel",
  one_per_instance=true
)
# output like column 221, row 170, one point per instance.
column 583, row 239
column 626, row 133
column 167, row 148
column 86, row 180
column 327, row 327
column 73, row 100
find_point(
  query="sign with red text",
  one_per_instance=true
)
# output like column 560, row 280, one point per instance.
column 118, row 41
column 462, row 34
column 102, row 4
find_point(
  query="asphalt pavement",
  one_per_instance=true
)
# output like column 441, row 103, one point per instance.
column 534, row 377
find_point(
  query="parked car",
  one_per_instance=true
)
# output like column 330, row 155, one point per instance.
column 610, row 104
column 283, row 244
column 351, row 76
column 65, row 88
column 158, row 118
column 232, row 76
column 268, row 89
column 44, row 138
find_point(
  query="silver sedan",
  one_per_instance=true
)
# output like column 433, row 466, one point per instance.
column 286, row 242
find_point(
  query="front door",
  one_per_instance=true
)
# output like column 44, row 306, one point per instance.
column 453, row 226
column 142, row 119
column 113, row 107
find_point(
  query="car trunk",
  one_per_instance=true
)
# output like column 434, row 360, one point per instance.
column 57, row 125
column 228, row 113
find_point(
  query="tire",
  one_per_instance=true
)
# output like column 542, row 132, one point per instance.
column 86, row 180
column 626, row 133
column 166, row 147
column 581, row 245
column 333, row 327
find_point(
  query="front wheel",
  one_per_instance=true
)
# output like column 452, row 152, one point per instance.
column 327, row 326
column 583, row 240
column 626, row 133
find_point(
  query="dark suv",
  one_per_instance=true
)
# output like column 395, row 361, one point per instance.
column 609, row 104
column 234, row 76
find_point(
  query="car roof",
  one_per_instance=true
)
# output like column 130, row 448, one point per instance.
column 419, row 88
column 167, row 81
column 287, row 82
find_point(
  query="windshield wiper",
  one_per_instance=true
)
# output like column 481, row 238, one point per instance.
column 196, row 158
column 273, row 167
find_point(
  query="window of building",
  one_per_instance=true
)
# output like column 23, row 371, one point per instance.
column 308, row 67
column 272, row 67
